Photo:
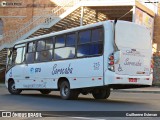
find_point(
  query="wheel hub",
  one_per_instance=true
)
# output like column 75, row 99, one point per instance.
column 65, row 91
column 13, row 87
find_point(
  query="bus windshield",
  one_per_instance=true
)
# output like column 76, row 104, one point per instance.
column 9, row 58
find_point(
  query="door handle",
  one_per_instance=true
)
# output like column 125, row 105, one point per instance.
column 27, row 77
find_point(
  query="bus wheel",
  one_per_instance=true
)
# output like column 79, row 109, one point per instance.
column 12, row 89
column 102, row 93
column 45, row 92
column 66, row 93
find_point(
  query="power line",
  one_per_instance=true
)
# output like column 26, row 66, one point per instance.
column 125, row 14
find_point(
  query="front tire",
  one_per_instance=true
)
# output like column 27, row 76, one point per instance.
column 45, row 92
column 12, row 89
column 66, row 93
column 101, row 93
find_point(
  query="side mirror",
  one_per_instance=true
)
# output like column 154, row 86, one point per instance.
column 117, row 56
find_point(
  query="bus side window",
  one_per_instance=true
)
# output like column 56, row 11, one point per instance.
column 84, row 36
column 30, row 52
column 65, row 48
column 60, row 41
column 90, row 43
column 40, row 45
column 19, row 54
column 44, row 50
column 83, row 48
column 97, row 35
column 97, row 41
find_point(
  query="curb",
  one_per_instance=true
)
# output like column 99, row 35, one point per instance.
column 130, row 91
column 153, row 89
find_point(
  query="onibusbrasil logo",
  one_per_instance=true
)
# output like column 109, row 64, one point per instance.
column 3, row 3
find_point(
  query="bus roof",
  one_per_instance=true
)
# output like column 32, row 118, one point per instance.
column 62, row 32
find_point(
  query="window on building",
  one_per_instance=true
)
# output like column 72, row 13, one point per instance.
column 1, row 27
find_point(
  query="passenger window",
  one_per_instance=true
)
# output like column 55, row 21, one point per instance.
column 84, row 36
column 97, row 34
column 64, row 53
column 96, row 48
column 44, row 50
column 70, row 39
column 49, row 44
column 93, row 47
column 60, row 41
column 90, row 49
column 44, row 55
column 41, row 45
column 83, row 50
column 30, row 57
column 30, row 52
column 31, row 47
column 67, row 49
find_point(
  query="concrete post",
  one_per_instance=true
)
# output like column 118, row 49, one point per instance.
column 81, row 18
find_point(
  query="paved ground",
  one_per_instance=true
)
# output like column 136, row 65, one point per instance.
column 118, row 101
column 142, row 90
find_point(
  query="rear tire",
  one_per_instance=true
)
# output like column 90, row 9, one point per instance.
column 66, row 93
column 101, row 93
column 45, row 92
column 12, row 89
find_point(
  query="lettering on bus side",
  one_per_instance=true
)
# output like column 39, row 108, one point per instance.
column 67, row 70
column 41, row 85
column 35, row 70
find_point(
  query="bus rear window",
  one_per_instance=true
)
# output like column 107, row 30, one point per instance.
column 132, row 36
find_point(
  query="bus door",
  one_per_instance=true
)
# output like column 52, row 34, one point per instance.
column 17, row 71
column 32, row 76
column 29, row 69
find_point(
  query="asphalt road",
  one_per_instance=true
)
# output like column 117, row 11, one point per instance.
column 118, row 101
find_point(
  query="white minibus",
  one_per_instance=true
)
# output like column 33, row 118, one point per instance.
column 88, row 59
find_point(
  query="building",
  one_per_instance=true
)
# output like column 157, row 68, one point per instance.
column 21, row 19
column 18, row 14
